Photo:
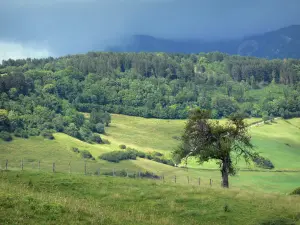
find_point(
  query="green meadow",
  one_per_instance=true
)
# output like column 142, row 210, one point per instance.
column 36, row 195
column 279, row 141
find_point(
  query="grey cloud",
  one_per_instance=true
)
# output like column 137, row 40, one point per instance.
column 71, row 26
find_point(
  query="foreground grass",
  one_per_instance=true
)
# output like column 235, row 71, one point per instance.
column 42, row 198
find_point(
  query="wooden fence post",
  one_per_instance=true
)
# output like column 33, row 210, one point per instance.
column 113, row 171
column 210, row 182
column 199, row 181
column 188, row 179
column 175, row 179
column 6, row 164
column 53, row 167
column 126, row 173
column 98, row 172
column 85, row 167
column 39, row 165
column 22, row 165
column 69, row 167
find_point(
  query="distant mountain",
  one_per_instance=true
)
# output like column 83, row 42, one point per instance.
column 282, row 43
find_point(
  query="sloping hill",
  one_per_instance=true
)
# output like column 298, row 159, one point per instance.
column 282, row 43
column 278, row 141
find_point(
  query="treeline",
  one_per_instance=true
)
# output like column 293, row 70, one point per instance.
column 48, row 94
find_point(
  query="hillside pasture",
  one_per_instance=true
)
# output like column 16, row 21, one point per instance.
column 278, row 141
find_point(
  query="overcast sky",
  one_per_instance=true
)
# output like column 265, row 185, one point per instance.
column 37, row 28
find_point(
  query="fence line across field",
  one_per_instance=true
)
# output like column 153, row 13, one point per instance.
column 97, row 170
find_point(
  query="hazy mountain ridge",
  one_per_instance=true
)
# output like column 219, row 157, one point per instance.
column 282, row 43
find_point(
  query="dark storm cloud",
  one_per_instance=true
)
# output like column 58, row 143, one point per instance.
column 71, row 26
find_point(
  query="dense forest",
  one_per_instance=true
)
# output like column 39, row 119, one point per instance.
column 41, row 96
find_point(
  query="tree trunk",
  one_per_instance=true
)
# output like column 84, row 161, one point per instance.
column 225, row 172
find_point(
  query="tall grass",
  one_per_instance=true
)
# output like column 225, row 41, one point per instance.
column 44, row 198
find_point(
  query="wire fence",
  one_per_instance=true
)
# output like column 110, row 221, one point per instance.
column 92, row 168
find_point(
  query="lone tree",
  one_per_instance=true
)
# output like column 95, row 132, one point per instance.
column 208, row 139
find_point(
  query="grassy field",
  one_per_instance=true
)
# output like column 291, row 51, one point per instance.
column 44, row 198
column 279, row 141
column 147, row 134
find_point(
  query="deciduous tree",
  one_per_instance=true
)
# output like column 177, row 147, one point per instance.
column 208, row 139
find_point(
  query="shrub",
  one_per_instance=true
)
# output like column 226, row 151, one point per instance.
column 141, row 154
column 75, row 150
column 85, row 134
column 47, row 134
column 149, row 156
column 20, row 133
column 123, row 173
column 136, row 152
column 86, row 154
column 168, row 162
column 100, row 128
column 5, row 136
column 265, row 119
column 89, row 126
column 156, row 159
column 117, row 156
column 110, row 156
column 130, row 153
column 96, row 138
column 263, row 162
column 149, row 175
column 296, row 191
column 157, row 154
column 122, row 146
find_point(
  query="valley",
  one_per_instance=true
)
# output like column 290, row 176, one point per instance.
column 90, row 139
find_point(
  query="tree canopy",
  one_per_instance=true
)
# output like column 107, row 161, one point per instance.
column 51, row 93
column 208, row 139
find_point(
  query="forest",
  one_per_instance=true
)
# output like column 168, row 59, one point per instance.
column 43, row 96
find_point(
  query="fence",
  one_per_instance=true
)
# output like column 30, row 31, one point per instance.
column 92, row 168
